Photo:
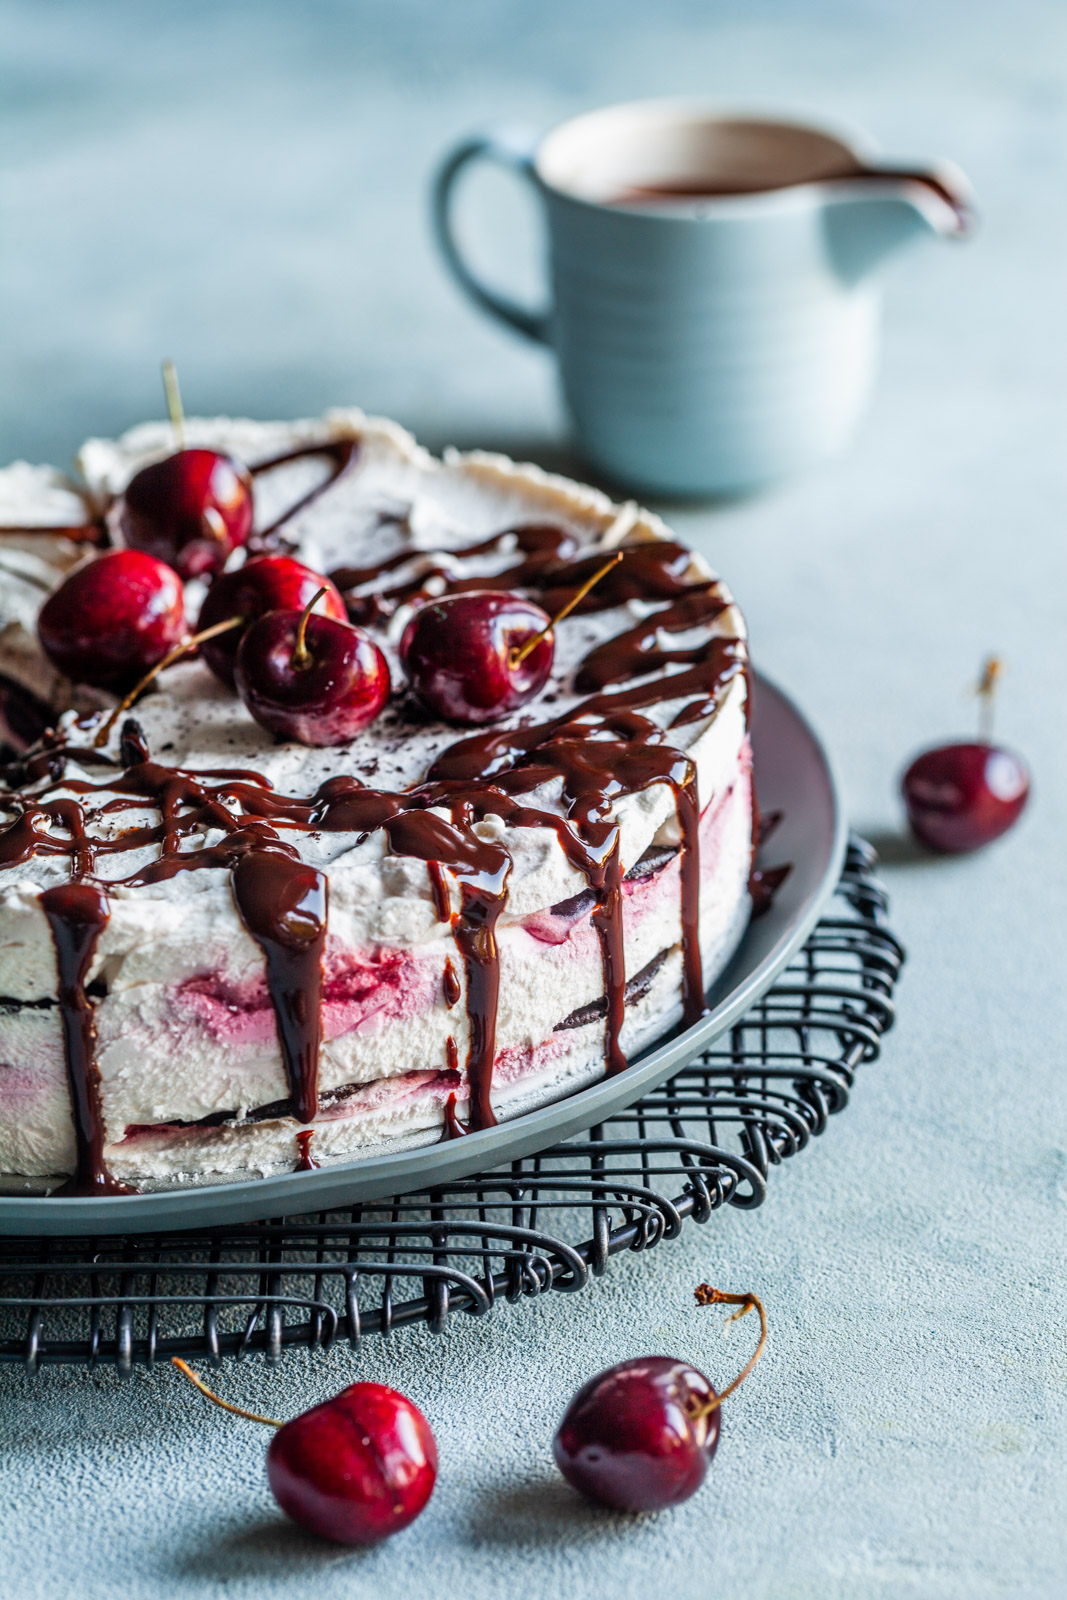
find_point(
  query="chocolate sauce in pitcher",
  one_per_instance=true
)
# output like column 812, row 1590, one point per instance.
column 696, row 190
column 728, row 159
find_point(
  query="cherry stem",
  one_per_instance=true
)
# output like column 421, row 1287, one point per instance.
column 301, row 657
column 518, row 655
column 238, row 1411
column 180, row 649
column 986, row 691
column 707, row 1296
column 174, row 403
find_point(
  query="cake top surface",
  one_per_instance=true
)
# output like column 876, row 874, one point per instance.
column 394, row 517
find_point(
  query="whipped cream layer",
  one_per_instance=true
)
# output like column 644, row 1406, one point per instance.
column 191, row 1074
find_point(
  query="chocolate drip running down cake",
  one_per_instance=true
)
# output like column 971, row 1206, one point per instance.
column 222, row 954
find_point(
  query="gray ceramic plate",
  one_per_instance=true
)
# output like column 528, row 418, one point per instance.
column 793, row 776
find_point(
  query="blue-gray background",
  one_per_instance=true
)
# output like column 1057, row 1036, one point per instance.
column 242, row 186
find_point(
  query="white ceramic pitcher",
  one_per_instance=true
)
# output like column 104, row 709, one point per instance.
column 715, row 283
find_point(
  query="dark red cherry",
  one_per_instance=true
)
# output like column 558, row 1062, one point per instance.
column 636, row 1437
column 191, row 510
column 110, row 621
column 322, row 695
column 357, row 1468
column 268, row 583
column 960, row 797
column 460, row 654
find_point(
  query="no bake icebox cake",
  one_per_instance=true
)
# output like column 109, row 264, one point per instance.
column 227, row 952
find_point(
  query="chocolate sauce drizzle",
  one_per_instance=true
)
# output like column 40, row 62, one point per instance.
column 541, row 548
column 340, row 453
column 305, row 1161
column 282, row 902
column 450, row 984
column 599, row 751
column 77, row 915
column 763, row 884
column 453, row 1128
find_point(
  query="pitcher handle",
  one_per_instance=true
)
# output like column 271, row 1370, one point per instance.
column 511, row 148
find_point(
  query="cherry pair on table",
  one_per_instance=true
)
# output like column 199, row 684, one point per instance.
column 638, row 1437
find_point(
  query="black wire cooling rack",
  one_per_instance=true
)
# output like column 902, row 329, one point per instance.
column 705, row 1139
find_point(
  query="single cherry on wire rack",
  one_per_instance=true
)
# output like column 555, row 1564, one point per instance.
column 113, row 619
column 193, row 508
column 473, row 657
column 266, row 583
column 962, row 796
column 640, row 1436
column 355, row 1469
column 310, row 678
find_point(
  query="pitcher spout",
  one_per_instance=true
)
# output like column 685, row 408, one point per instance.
column 870, row 218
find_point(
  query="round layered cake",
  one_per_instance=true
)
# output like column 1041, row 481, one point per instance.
column 223, row 952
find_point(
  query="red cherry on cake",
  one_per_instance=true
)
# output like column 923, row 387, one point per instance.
column 310, row 678
column 472, row 658
column 113, row 619
column 191, row 510
column 267, row 583
column 962, row 796
column 357, row 1468
column 636, row 1437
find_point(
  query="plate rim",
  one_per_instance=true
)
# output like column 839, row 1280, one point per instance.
column 407, row 1171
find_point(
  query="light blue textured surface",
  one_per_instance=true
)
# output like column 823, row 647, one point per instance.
column 242, row 187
